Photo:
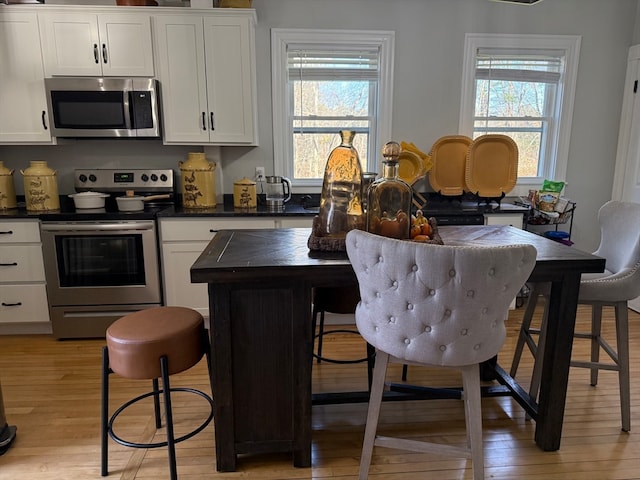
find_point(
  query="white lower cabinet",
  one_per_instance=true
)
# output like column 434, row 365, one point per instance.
column 515, row 220
column 23, row 294
column 184, row 239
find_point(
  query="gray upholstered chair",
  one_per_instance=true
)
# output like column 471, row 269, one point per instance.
column 620, row 282
column 435, row 305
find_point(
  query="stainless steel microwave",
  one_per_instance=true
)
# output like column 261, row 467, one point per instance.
column 103, row 107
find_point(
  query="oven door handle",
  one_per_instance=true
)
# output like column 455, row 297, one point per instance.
column 95, row 227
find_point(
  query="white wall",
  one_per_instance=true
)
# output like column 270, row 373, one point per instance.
column 429, row 48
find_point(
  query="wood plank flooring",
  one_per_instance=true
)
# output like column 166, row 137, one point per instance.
column 52, row 394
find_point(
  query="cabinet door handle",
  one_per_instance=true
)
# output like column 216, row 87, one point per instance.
column 104, row 53
column 204, row 120
column 211, row 230
column 13, row 264
column 44, row 120
column 212, row 124
column 11, row 304
column 95, row 53
column 7, row 232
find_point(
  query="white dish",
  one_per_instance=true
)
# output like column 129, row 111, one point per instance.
column 85, row 200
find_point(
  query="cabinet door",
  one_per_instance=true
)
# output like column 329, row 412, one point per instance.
column 70, row 44
column 179, row 291
column 95, row 45
column 179, row 45
column 23, row 104
column 125, row 45
column 515, row 220
column 230, row 60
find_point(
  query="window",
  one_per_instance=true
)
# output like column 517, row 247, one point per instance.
column 325, row 81
column 522, row 86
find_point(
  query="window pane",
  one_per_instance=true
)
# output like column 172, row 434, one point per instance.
column 320, row 110
column 528, row 136
column 520, row 110
column 311, row 147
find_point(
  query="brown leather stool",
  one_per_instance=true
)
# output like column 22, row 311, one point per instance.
column 149, row 344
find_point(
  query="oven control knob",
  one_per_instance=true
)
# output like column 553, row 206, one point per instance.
column 144, row 177
column 92, row 178
column 154, row 177
column 164, row 178
column 82, row 177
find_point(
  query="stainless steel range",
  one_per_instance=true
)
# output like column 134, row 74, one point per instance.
column 102, row 264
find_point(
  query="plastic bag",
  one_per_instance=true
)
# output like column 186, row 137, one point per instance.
column 548, row 195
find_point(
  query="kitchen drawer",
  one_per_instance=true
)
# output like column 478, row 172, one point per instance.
column 294, row 222
column 23, row 304
column 19, row 231
column 203, row 229
column 21, row 263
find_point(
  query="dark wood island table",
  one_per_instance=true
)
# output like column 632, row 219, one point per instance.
column 260, row 284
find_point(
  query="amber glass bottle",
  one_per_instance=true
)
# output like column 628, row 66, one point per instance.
column 389, row 199
column 341, row 201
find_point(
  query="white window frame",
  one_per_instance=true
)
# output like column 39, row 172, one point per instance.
column 555, row 167
column 282, row 132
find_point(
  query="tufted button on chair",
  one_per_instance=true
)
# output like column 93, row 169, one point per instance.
column 436, row 305
column 620, row 282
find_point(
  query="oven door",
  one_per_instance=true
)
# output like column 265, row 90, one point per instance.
column 101, row 263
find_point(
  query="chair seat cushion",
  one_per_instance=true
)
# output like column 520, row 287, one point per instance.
column 138, row 340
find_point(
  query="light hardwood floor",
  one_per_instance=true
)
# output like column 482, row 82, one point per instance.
column 52, row 393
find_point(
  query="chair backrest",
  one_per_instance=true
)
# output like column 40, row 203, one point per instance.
column 436, row 304
column 620, row 246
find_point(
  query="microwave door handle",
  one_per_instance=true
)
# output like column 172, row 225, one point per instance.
column 128, row 109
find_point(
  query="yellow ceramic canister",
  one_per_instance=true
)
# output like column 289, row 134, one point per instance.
column 198, row 181
column 244, row 194
column 40, row 187
column 7, row 188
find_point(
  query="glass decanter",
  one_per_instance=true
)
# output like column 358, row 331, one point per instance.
column 389, row 199
column 341, row 198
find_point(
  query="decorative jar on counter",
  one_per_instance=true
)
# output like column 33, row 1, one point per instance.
column 7, row 188
column 40, row 187
column 197, row 181
column 245, row 194
column 341, row 197
column 389, row 199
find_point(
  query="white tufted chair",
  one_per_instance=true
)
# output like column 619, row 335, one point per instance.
column 434, row 305
column 620, row 282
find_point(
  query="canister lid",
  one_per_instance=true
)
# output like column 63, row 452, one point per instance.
column 244, row 181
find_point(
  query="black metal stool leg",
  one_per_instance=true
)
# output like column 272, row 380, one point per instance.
column 156, row 402
column 166, row 388
column 104, row 429
column 404, row 372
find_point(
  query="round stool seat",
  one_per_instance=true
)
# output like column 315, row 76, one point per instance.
column 138, row 340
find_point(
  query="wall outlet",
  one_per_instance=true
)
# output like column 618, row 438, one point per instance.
column 260, row 174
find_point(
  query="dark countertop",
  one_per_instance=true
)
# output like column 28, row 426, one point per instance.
column 298, row 206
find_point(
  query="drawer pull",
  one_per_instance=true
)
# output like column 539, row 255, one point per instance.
column 11, row 304
column 14, row 264
column 8, row 232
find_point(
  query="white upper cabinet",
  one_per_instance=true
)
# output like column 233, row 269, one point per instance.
column 86, row 44
column 23, row 104
column 206, row 68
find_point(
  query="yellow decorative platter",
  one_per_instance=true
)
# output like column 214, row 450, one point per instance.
column 449, row 157
column 492, row 166
column 410, row 167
